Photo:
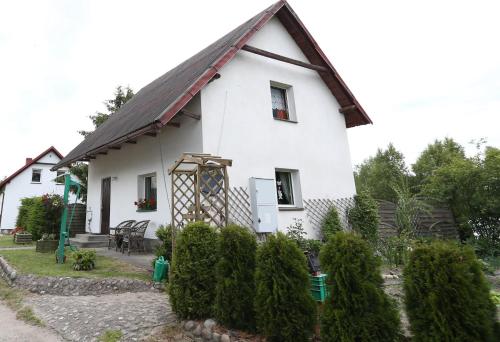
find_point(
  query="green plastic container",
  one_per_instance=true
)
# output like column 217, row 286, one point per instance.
column 319, row 290
column 161, row 269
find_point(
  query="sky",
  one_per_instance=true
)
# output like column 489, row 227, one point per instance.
column 422, row 70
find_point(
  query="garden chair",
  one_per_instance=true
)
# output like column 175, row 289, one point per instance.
column 116, row 233
column 133, row 237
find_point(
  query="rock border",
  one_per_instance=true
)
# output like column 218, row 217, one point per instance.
column 204, row 331
column 68, row 286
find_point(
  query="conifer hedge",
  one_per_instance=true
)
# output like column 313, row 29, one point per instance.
column 364, row 217
column 284, row 306
column 331, row 224
column 447, row 296
column 192, row 280
column 235, row 278
column 358, row 309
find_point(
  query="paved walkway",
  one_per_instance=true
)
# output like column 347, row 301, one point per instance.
column 140, row 260
column 12, row 329
column 85, row 318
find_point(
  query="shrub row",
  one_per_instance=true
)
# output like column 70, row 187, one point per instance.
column 40, row 215
column 267, row 289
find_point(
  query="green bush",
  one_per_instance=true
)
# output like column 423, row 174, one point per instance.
column 395, row 250
column 313, row 246
column 447, row 296
column 364, row 217
column 331, row 224
column 192, row 279
column 36, row 220
column 284, row 306
column 358, row 309
column 164, row 234
column 83, row 260
column 235, row 279
column 22, row 215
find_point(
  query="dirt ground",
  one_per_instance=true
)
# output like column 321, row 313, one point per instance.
column 12, row 329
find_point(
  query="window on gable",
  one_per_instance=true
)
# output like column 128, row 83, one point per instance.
column 279, row 101
column 147, row 192
column 60, row 177
column 36, row 175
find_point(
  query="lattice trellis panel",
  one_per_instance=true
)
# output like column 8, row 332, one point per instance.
column 213, row 197
column 317, row 209
column 183, row 203
column 240, row 212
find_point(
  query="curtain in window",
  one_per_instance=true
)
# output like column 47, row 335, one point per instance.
column 150, row 190
column 284, row 188
column 278, row 97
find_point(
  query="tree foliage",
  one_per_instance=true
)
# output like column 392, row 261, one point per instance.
column 192, row 280
column 331, row 224
column 235, row 278
column 359, row 309
column 121, row 96
column 364, row 217
column 378, row 175
column 284, row 306
column 80, row 170
column 447, row 296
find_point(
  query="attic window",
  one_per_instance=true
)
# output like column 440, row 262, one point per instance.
column 280, row 106
column 36, row 176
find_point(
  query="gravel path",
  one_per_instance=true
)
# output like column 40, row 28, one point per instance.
column 12, row 329
column 85, row 318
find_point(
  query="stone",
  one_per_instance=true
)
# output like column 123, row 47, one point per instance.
column 216, row 337
column 210, row 324
column 189, row 325
column 206, row 334
column 197, row 330
column 225, row 338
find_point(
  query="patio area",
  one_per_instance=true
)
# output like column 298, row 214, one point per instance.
column 138, row 259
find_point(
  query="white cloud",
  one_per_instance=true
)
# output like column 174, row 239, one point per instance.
column 422, row 70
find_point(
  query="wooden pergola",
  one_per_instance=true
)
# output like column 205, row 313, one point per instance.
column 199, row 190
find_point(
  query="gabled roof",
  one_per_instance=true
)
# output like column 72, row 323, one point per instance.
column 158, row 102
column 30, row 163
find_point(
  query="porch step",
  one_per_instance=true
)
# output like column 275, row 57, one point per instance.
column 89, row 240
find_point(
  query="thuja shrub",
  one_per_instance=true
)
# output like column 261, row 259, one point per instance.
column 285, row 309
column 446, row 295
column 22, row 216
column 331, row 224
column 36, row 220
column 235, row 278
column 192, row 279
column 364, row 217
column 358, row 309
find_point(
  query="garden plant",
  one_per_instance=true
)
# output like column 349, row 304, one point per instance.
column 284, row 306
column 235, row 278
column 192, row 280
column 446, row 295
column 358, row 308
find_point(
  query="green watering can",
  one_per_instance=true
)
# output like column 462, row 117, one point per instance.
column 161, row 269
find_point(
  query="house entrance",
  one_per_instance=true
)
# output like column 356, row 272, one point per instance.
column 105, row 204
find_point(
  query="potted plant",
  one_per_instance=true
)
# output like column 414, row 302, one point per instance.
column 145, row 204
column 21, row 236
column 47, row 243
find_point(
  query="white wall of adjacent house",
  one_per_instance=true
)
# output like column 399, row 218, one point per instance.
column 238, row 124
column 22, row 186
column 125, row 167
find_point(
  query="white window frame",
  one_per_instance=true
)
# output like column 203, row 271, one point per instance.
column 289, row 98
column 141, row 186
column 33, row 172
column 60, row 181
column 296, row 190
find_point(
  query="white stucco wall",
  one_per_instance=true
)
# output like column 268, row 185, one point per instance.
column 132, row 160
column 21, row 187
column 237, row 123
column 237, row 112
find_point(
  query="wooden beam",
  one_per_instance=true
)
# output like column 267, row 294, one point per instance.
column 91, row 157
column 131, row 142
column 174, row 124
column 103, row 153
column 347, row 109
column 283, row 58
column 190, row 114
column 151, row 134
column 115, row 147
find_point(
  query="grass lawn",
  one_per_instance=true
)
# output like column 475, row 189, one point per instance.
column 6, row 241
column 44, row 264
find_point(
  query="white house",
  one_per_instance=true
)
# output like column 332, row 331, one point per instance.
column 34, row 178
column 264, row 95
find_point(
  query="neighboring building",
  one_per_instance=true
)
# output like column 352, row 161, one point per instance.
column 35, row 178
column 264, row 95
